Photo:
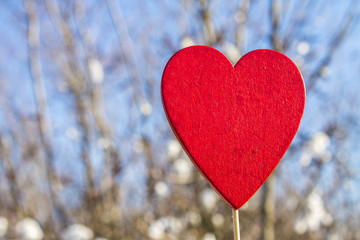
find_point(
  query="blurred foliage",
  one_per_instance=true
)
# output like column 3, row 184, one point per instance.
column 85, row 149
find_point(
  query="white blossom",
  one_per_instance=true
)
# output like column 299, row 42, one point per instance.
column 303, row 48
column 218, row 220
column 165, row 228
column 209, row 236
column 193, row 218
column 72, row 133
column 162, row 189
column 305, row 158
column 28, row 229
column 208, row 199
column 187, row 42
column 174, row 149
column 146, row 109
column 300, row 226
column 96, row 71
column 315, row 215
column 316, row 147
column 77, row 232
column 183, row 168
column 104, row 143
column 4, row 224
column 319, row 143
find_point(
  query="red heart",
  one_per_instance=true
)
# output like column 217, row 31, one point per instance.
column 235, row 123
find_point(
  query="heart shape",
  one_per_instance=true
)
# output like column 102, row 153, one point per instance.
column 234, row 123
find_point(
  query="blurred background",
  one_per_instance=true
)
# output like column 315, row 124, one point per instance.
column 85, row 148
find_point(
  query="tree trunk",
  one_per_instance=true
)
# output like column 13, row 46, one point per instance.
column 269, row 208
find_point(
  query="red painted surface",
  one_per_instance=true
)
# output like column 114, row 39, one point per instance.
column 235, row 123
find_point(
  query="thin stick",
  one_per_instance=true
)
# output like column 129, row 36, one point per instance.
column 236, row 224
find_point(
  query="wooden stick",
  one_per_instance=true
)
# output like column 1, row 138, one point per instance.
column 236, row 224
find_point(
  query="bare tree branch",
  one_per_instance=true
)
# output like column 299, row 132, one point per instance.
column 275, row 18
column 339, row 37
column 209, row 31
column 77, row 85
column 15, row 190
column 42, row 106
column 242, row 16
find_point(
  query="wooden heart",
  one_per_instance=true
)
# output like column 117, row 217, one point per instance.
column 235, row 123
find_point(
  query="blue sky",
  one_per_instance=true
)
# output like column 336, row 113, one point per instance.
column 335, row 97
